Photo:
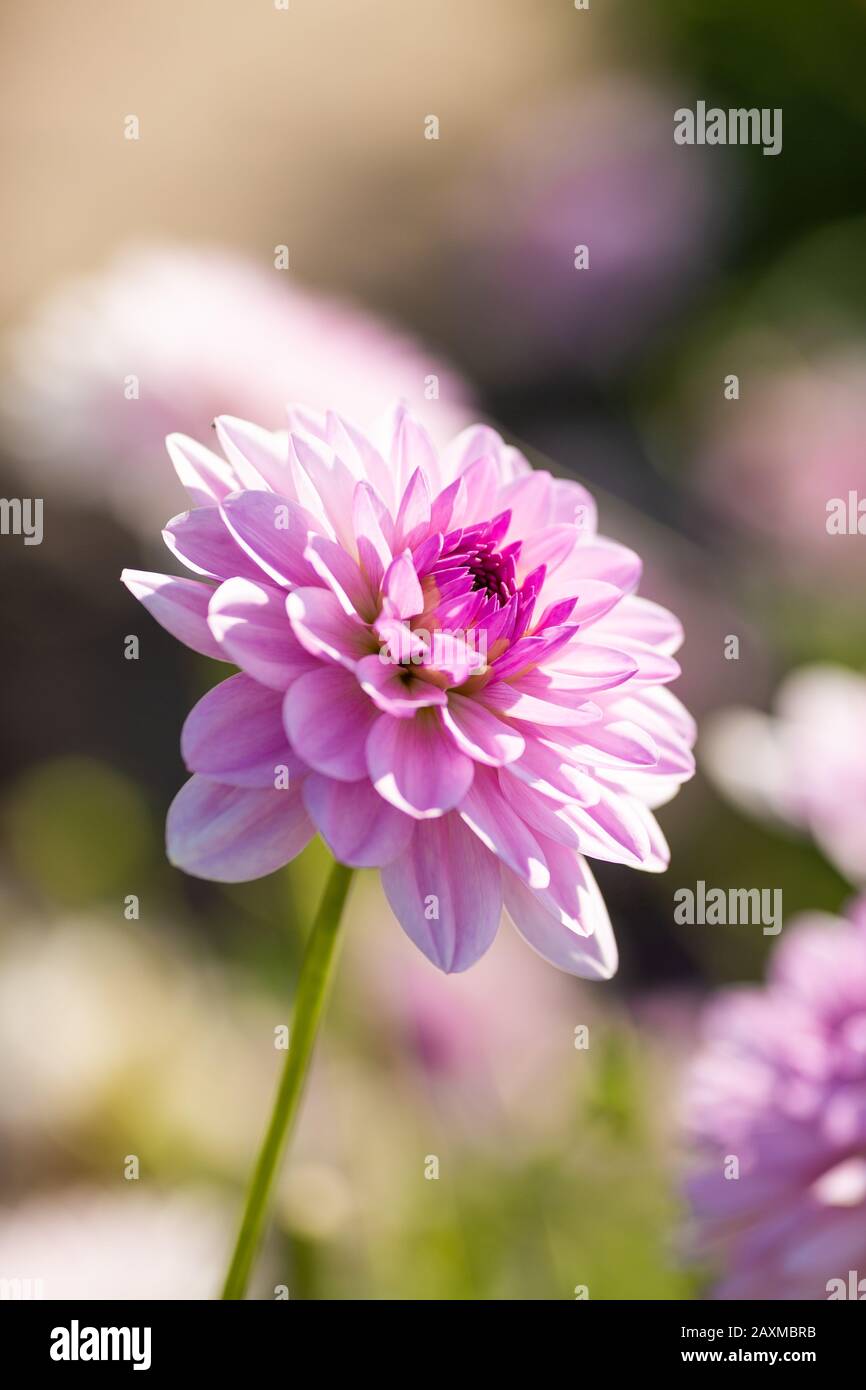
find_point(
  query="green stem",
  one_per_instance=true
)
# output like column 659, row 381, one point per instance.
column 316, row 970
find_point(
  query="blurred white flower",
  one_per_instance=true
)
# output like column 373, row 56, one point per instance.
column 805, row 766
column 116, row 1039
column 165, row 339
column 76, row 1006
column 129, row 1244
column 105, row 1026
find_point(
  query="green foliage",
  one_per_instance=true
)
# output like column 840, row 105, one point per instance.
column 79, row 832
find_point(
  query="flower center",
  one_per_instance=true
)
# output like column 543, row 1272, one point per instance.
column 476, row 603
column 492, row 571
column 470, row 560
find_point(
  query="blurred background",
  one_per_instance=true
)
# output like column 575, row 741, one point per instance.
column 159, row 162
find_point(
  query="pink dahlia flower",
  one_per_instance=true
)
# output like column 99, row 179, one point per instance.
column 443, row 670
column 806, row 765
column 779, row 1086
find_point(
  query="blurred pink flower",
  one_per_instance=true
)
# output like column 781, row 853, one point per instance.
column 779, row 1087
column 596, row 167
column 805, row 766
column 774, row 459
column 450, row 669
column 467, row 1031
column 196, row 331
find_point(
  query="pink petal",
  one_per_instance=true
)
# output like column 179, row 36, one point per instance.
column 259, row 456
column 593, row 599
column 449, row 508
column 470, row 444
column 647, row 788
column 363, row 458
column 499, row 827
column 303, row 486
column 579, row 666
column 251, row 625
column 235, row 735
column 402, row 589
column 302, row 419
column 446, row 894
column 614, row 744
column 325, row 630
column 653, row 667
column 566, row 923
column 480, row 733
column 179, row 605
column 597, row 560
column 413, row 516
column 201, row 541
column 408, row 446
column 343, row 576
column 643, row 621
column 546, row 814
column 550, row 547
column 327, row 717
column 451, row 656
column 482, row 486
column 524, row 655
column 360, row 828
column 401, row 644
column 661, row 710
column 529, row 501
column 273, row 532
column 206, row 477
column 333, row 482
column 571, row 502
column 501, row 697
column 233, row 834
column 394, row 690
column 368, row 520
column 550, row 769
column 617, row 829
column 658, row 732
column 659, row 856
column 415, row 765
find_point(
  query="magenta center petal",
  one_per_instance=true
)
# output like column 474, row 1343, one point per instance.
column 470, row 560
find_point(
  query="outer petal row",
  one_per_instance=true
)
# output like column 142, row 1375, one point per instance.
column 233, row 834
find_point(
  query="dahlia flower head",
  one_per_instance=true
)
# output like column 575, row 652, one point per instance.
column 804, row 765
column 778, row 1084
column 443, row 670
